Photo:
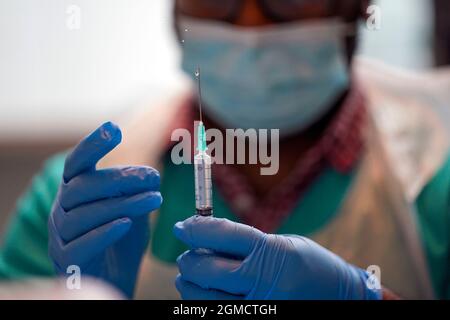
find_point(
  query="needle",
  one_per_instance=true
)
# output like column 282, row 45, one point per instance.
column 197, row 74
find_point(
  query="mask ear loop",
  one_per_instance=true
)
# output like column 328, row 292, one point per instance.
column 176, row 21
column 351, row 38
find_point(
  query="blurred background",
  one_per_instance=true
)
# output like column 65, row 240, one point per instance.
column 60, row 78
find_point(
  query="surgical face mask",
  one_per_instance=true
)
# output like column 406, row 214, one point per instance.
column 278, row 77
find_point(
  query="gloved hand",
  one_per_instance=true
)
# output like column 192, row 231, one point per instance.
column 241, row 262
column 99, row 220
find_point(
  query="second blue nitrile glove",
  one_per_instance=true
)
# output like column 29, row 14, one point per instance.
column 99, row 220
column 244, row 263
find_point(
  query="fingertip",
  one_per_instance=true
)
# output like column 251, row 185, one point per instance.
column 154, row 200
column 91, row 149
column 176, row 227
column 110, row 132
column 159, row 200
column 110, row 125
column 155, row 178
column 179, row 231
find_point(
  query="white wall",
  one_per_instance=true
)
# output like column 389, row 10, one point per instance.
column 405, row 37
column 56, row 82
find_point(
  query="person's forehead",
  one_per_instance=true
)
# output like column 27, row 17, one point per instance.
column 310, row 8
column 308, row 3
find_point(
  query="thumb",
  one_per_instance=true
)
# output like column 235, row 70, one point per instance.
column 220, row 235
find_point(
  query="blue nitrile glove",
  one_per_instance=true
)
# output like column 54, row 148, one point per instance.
column 99, row 220
column 241, row 262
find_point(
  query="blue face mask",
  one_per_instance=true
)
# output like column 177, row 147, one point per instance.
column 283, row 77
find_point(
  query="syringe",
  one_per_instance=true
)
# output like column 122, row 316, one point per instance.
column 202, row 165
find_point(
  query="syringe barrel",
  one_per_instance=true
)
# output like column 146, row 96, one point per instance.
column 203, row 184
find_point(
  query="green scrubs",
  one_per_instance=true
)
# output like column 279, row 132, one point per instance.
column 24, row 251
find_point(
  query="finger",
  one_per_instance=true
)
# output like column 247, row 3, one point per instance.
column 91, row 149
column 83, row 249
column 220, row 235
column 108, row 183
column 190, row 291
column 90, row 216
column 210, row 271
